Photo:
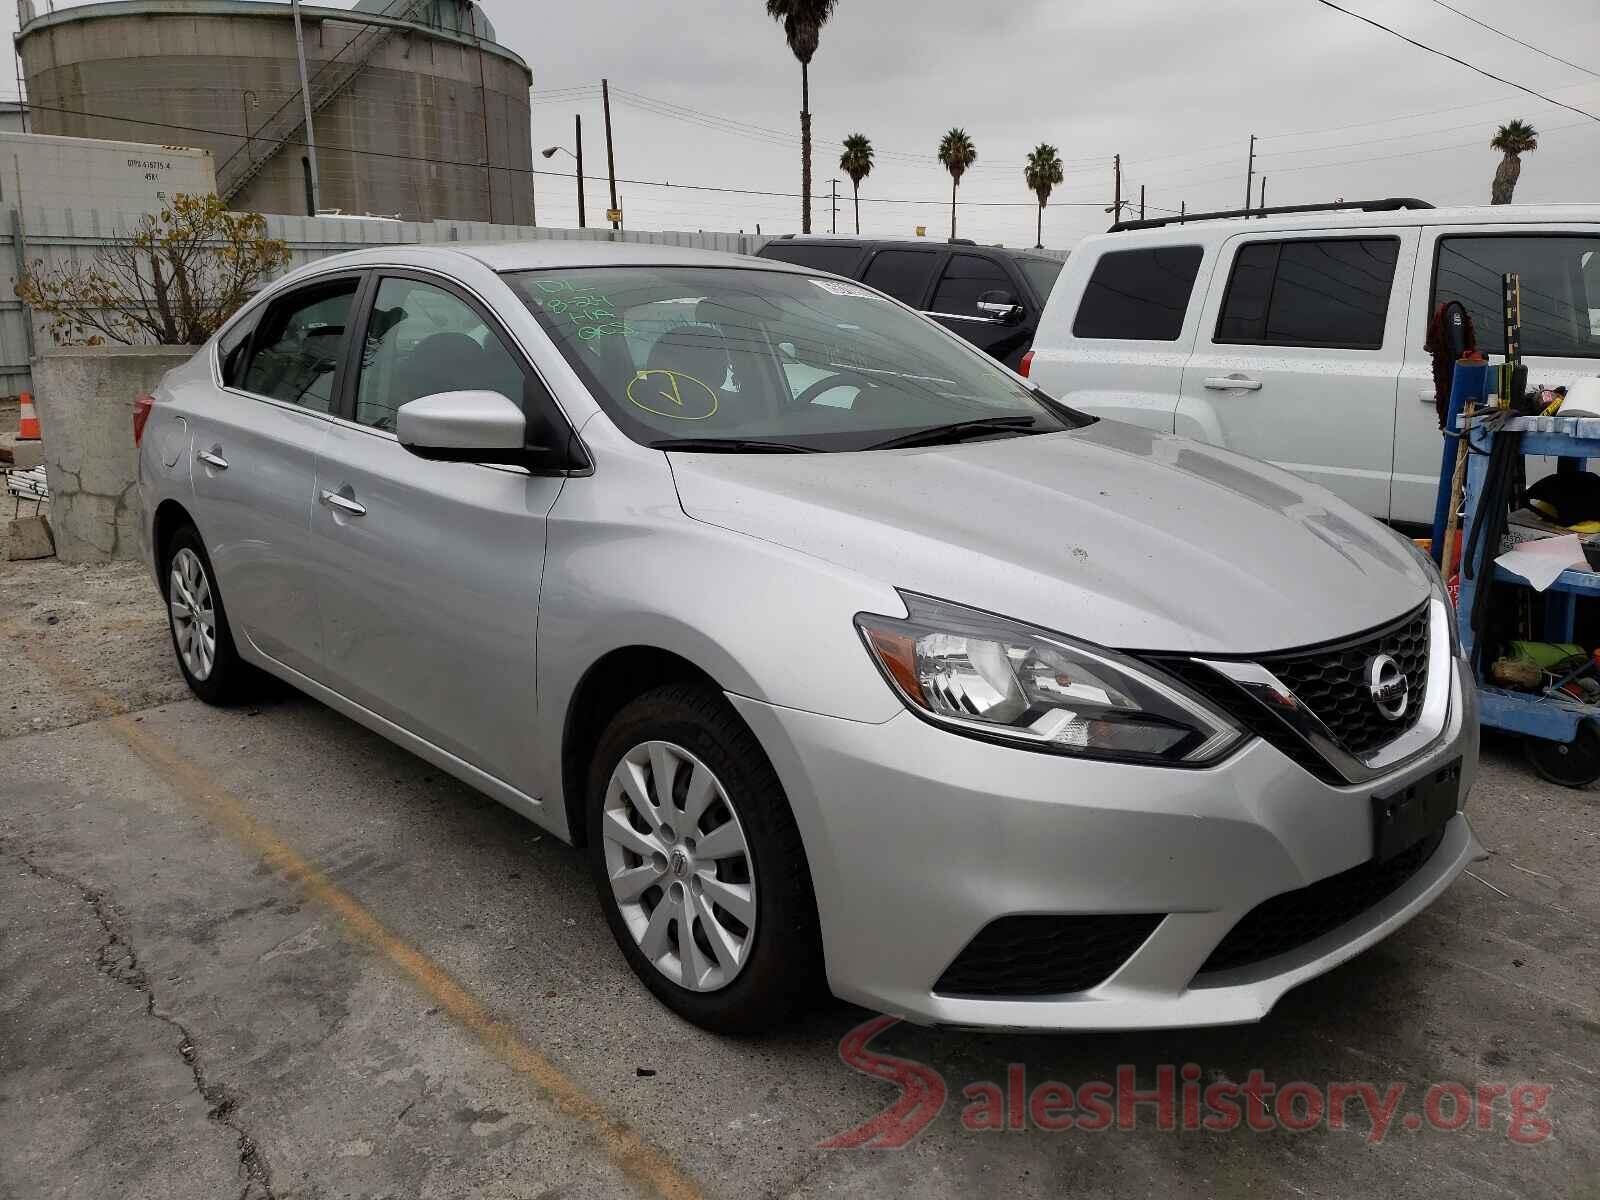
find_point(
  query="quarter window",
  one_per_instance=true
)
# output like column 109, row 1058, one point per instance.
column 233, row 348
column 422, row 340
column 1560, row 283
column 965, row 280
column 1310, row 292
column 296, row 351
column 903, row 274
column 1138, row 295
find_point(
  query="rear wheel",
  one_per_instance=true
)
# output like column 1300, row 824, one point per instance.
column 698, row 863
column 1573, row 764
column 199, row 624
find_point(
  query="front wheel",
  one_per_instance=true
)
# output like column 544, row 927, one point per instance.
column 698, row 863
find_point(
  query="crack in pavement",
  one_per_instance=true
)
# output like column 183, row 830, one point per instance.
column 119, row 961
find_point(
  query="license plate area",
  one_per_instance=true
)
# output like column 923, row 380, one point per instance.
column 1404, row 817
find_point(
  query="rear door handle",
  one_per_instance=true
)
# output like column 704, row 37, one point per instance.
column 1232, row 383
column 345, row 503
column 212, row 459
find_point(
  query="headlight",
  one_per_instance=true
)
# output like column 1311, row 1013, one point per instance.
column 992, row 678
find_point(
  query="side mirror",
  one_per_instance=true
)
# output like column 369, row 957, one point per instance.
column 480, row 427
column 1001, row 306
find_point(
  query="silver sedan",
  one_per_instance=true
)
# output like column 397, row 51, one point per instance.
column 854, row 661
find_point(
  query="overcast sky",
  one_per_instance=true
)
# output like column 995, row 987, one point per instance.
column 1176, row 88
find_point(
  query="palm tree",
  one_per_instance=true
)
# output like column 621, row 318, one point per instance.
column 1042, row 172
column 856, row 162
column 957, row 153
column 802, row 27
column 1513, row 140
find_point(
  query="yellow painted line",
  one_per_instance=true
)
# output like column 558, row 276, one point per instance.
column 647, row 1167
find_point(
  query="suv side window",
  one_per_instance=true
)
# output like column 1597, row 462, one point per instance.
column 840, row 260
column 967, row 277
column 295, row 353
column 1310, row 292
column 1139, row 295
column 421, row 340
column 903, row 274
column 1560, row 277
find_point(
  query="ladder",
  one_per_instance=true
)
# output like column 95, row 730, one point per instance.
column 287, row 124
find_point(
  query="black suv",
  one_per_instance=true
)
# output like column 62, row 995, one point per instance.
column 989, row 295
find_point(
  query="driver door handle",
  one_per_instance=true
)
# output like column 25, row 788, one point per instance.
column 344, row 503
column 212, row 459
column 1233, row 383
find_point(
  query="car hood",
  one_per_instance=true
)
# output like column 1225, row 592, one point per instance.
column 1112, row 533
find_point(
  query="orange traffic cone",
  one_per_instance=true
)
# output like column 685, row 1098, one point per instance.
column 28, row 424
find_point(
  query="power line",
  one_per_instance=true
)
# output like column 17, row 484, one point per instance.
column 1512, row 38
column 1458, row 61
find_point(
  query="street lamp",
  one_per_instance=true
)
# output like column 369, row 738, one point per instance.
column 550, row 151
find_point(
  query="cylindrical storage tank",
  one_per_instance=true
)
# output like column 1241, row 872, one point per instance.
column 419, row 118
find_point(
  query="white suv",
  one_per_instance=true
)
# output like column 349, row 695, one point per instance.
column 1297, row 336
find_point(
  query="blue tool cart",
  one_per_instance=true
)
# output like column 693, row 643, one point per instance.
column 1563, row 734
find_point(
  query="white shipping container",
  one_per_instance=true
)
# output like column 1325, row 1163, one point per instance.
column 52, row 170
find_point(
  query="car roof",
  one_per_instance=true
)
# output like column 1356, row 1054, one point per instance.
column 552, row 253
column 1340, row 219
column 830, row 239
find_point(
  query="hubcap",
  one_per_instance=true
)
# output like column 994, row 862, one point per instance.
column 679, row 866
column 194, row 618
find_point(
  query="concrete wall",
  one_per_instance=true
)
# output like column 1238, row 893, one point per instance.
column 229, row 65
column 85, row 400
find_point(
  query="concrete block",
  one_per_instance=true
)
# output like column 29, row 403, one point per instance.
column 29, row 537
column 24, row 456
column 85, row 399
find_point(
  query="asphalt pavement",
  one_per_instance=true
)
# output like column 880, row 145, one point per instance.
column 261, row 952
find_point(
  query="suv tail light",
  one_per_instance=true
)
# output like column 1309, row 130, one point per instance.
column 141, row 413
column 1027, row 364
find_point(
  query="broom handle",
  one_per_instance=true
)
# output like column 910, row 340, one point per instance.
column 1457, row 485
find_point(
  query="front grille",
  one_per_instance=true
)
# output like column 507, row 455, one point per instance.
column 1044, row 955
column 1331, row 681
column 1288, row 921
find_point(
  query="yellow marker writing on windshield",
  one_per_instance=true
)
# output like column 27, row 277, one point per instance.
column 685, row 397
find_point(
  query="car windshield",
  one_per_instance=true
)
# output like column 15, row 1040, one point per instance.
column 750, row 359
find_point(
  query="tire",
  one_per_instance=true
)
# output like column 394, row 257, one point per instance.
column 1574, row 764
column 754, row 964
column 215, row 674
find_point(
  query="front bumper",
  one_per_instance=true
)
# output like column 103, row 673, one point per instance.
column 919, row 838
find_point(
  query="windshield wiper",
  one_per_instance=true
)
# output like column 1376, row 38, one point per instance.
column 732, row 445
column 953, row 431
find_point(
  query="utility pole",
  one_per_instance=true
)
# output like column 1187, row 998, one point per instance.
column 1250, row 173
column 1141, row 202
column 1183, row 209
column 1116, row 201
column 611, row 164
column 577, row 121
column 305, row 94
column 834, row 199
column 1263, row 204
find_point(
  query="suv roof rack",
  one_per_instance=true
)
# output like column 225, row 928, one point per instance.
column 1388, row 204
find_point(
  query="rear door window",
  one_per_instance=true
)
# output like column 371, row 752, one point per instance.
column 1139, row 295
column 903, row 274
column 1560, row 281
column 295, row 354
column 967, row 279
column 821, row 256
column 1310, row 292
